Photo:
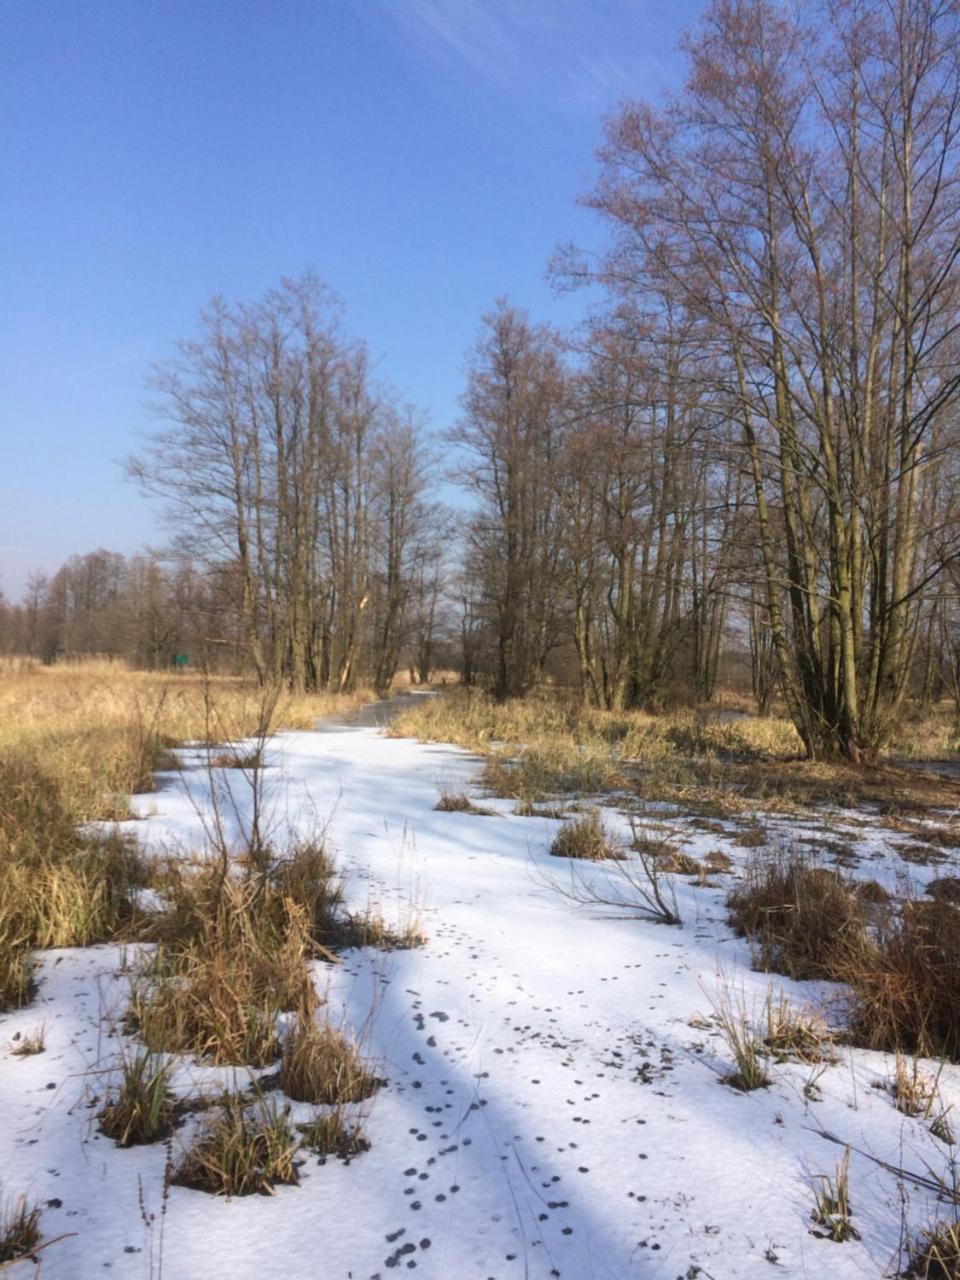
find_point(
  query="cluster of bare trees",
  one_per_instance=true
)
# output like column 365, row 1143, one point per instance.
column 281, row 459
column 766, row 419
column 136, row 608
column 754, row 435
column 601, row 522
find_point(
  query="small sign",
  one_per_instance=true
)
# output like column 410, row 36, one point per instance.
column 180, row 660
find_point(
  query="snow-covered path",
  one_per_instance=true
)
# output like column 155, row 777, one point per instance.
column 550, row 1110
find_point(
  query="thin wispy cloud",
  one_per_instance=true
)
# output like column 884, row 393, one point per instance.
column 579, row 54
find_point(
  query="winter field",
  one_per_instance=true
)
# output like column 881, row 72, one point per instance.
column 566, row 1076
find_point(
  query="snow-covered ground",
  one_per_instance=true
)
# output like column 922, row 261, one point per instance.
column 554, row 1105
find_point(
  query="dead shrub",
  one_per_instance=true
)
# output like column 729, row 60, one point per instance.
column 243, row 1149
column 799, row 917
column 905, row 981
column 586, row 838
column 322, row 1066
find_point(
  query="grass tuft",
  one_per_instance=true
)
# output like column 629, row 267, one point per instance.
column 32, row 1043
column 801, row 1035
column 744, row 1044
column 19, row 1230
column 460, row 802
column 322, row 1066
column 140, row 1108
column 905, row 980
column 586, row 838
column 832, row 1210
column 935, row 1254
column 329, row 1134
column 798, row 916
column 243, row 1149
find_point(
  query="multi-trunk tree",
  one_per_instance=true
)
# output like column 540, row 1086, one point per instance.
column 799, row 202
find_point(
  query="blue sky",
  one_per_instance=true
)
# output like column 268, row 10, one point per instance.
column 423, row 156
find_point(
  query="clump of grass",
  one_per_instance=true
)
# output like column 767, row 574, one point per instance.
column 680, row 863
column 329, row 1134
column 945, row 889
column 243, row 1149
column 17, row 985
column 586, row 838
column 941, row 1128
column 751, row 836
column 62, row 887
column 799, row 917
column 527, row 809
column 237, row 758
column 915, row 1092
column 217, row 989
column 832, row 1209
column 871, row 891
column 718, row 861
column 795, row 1034
column 744, row 1044
column 539, row 773
column 308, row 877
column 19, row 1230
column 905, row 981
column 140, row 1108
column 32, row 1043
column 322, row 1066
column 370, row 928
column 459, row 802
column 935, row 1254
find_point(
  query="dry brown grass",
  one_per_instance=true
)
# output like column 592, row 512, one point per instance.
column 935, row 1254
column 832, row 1208
column 905, row 981
column 545, row 747
column 218, row 986
column 745, row 1046
column 245, row 1148
column 75, row 742
column 460, row 802
column 799, row 917
column 19, row 1229
column 945, row 889
column 799, row 1034
column 915, row 1092
column 371, row 928
column 331, row 1134
column 323, row 1065
column 586, row 838
column 139, row 1108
